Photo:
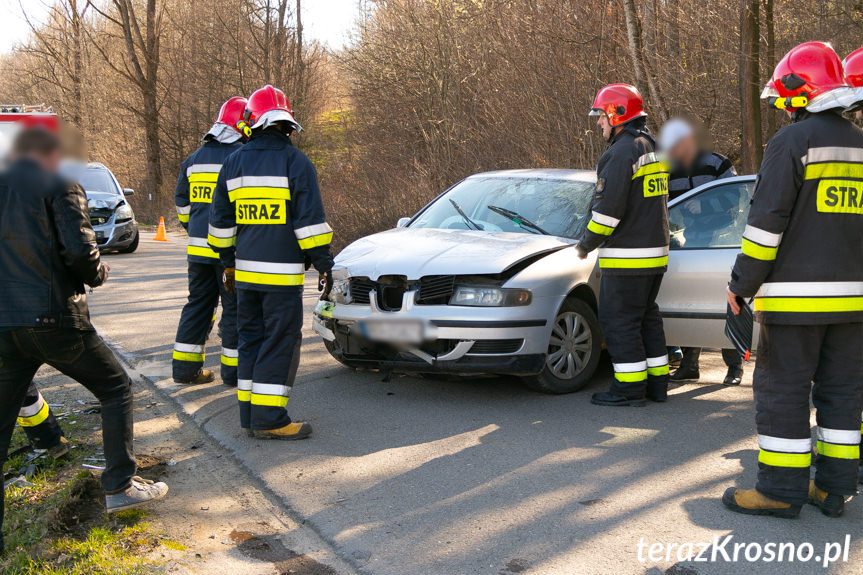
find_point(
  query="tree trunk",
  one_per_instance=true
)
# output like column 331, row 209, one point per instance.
column 77, row 68
column 771, row 57
column 750, row 106
column 151, row 104
column 643, row 77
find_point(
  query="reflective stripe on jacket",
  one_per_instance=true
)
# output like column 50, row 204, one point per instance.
column 801, row 247
column 629, row 213
column 268, row 215
column 194, row 194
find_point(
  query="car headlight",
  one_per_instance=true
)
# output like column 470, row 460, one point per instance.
column 341, row 292
column 482, row 296
column 124, row 213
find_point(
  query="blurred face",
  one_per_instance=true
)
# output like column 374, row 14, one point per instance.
column 603, row 124
column 49, row 162
column 684, row 152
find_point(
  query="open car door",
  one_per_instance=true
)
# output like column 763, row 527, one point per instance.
column 706, row 229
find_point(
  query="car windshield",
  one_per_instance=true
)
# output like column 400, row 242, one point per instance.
column 96, row 181
column 520, row 205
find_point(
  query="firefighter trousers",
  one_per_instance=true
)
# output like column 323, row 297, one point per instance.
column 632, row 327
column 794, row 362
column 270, row 329
column 205, row 289
column 37, row 420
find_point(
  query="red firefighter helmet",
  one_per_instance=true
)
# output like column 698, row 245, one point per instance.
column 619, row 102
column 231, row 114
column 272, row 102
column 853, row 65
column 806, row 72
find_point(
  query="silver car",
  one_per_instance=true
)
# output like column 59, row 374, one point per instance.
column 111, row 215
column 485, row 279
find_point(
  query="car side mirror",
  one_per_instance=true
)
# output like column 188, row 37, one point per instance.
column 128, row 192
column 403, row 222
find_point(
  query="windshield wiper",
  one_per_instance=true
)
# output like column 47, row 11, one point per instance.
column 518, row 219
column 460, row 211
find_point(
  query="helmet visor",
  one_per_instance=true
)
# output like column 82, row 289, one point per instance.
column 769, row 92
column 596, row 112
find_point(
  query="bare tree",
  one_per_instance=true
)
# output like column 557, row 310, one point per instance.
column 748, row 78
column 141, row 67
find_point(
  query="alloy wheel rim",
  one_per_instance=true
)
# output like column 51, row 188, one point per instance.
column 570, row 346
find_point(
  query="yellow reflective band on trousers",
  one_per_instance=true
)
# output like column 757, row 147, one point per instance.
column 269, row 279
column 633, row 263
column 778, row 459
column 758, row 252
column 184, row 218
column 809, row 304
column 187, row 356
column 315, row 241
column 599, row 228
column 243, row 395
column 203, row 252
column 269, row 400
column 34, row 420
column 838, row 451
column 631, row 377
column 661, row 370
column 229, row 361
column 259, row 193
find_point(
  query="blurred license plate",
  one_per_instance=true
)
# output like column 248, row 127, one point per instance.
column 393, row 331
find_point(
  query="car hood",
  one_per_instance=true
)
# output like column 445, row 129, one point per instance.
column 103, row 199
column 419, row 252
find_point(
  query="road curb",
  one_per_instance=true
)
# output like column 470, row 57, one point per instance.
column 131, row 360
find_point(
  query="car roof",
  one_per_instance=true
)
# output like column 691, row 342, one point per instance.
column 541, row 174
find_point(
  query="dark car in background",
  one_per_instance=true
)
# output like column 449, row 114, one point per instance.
column 111, row 215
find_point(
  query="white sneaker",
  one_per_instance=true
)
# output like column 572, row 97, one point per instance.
column 141, row 491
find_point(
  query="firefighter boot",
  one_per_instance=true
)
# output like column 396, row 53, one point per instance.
column 830, row 505
column 615, row 400
column 657, row 391
column 203, row 376
column 751, row 502
column 59, row 450
column 292, row 431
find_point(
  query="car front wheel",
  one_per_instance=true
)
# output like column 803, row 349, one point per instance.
column 573, row 350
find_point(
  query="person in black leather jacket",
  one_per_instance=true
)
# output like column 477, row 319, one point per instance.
column 48, row 253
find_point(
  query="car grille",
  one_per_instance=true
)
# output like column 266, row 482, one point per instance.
column 390, row 291
column 436, row 290
column 360, row 288
column 99, row 217
column 495, row 346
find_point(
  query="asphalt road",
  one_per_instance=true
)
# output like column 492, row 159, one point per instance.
column 482, row 476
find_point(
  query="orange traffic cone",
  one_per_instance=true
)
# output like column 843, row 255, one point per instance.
column 161, row 236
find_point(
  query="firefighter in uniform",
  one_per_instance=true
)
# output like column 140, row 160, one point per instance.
column 40, row 425
column 194, row 194
column 629, row 225
column 267, row 221
column 801, row 260
column 853, row 67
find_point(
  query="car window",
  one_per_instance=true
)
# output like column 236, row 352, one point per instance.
column 96, row 181
column 715, row 218
column 556, row 206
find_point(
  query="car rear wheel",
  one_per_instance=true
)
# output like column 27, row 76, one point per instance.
column 573, row 350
